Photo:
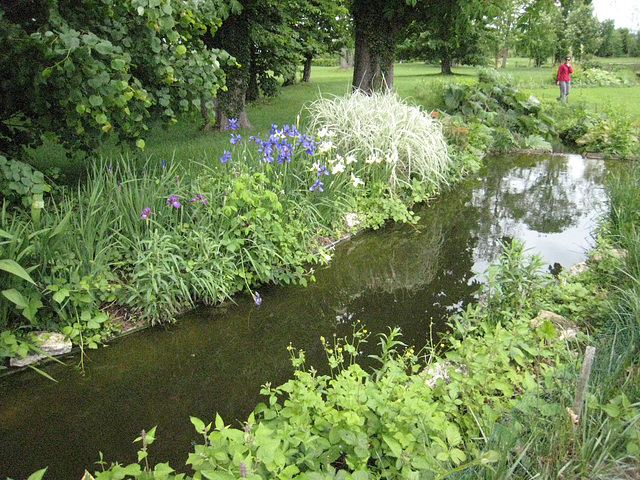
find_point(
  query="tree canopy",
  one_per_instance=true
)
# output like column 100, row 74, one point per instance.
column 84, row 70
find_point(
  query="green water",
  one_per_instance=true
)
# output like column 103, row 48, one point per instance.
column 215, row 359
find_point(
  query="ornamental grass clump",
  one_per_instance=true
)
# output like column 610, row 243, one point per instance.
column 394, row 142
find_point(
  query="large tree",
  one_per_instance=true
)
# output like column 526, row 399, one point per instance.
column 611, row 45
column 82, row 71
column 505, row 32
column 270, row 40
column 320, row 26
column 447, row 32
column 582, row 31
column 538, row 36
column 377, row 24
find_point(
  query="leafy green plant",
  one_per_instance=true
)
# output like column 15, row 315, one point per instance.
column 503, row 117
column 611, row 134
column 597, row 77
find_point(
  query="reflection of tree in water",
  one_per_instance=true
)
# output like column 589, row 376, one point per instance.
column 397, row 262
column 542, row 194
column 403, row 275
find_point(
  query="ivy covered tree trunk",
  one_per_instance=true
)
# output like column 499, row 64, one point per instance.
column 234, row 37
column 253, row 89
column 375, row 46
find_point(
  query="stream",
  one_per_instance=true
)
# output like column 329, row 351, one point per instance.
column 214, row 360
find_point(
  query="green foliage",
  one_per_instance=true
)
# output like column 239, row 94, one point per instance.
column 495, row 116
column 598, row 77
column 609, row 132
column 509, row 290
column 21, row 184
column 105, row 70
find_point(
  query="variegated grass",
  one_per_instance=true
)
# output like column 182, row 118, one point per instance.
column 392, row 141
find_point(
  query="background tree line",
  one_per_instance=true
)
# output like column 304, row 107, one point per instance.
column 82, row 72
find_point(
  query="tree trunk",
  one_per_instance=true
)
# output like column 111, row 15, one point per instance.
column 505, row 52
column 253, row 89
column 306, row 74
column 375, row 47
column 346, row 58
column 234, row 37
column 445, row 65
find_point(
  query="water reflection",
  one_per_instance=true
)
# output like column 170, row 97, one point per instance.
column 551, row 205
column 216, row 359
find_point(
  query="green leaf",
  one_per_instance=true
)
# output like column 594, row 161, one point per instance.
column 360, row 475
column 95, row 100
column 181, row 49
column 219, row 422
column 16, row 297
column 490, row 457
column 132, row 469
column 453, row 435
column 62, row 225
column 393, row 444
column 611, row 408
column 199, row 424
column 37, row 475
column 101, row 118
column 104, row 47
column 216, row 475
column 45, row 375
column 11, row 266
column 547, row 331
column 140, row 143
column 162, row 471
column 118, row 64
column 458, row 456
column 61, row 295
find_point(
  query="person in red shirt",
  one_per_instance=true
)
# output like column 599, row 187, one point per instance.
column 564, row 79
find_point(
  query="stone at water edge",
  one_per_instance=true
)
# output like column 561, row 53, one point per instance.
column 52, row 344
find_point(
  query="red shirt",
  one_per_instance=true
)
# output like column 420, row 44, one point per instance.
column 564, row 72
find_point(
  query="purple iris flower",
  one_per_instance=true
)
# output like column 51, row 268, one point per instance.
column 322, row 169
column 233, row 124
column 200, row 197
column 226, row 156
column 308, row 144
column 235, row 139
column 258, row 300
column 317, row 185
column 174, row 201
column 146, row 212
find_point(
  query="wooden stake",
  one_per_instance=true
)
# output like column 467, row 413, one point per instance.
column 583, row 382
